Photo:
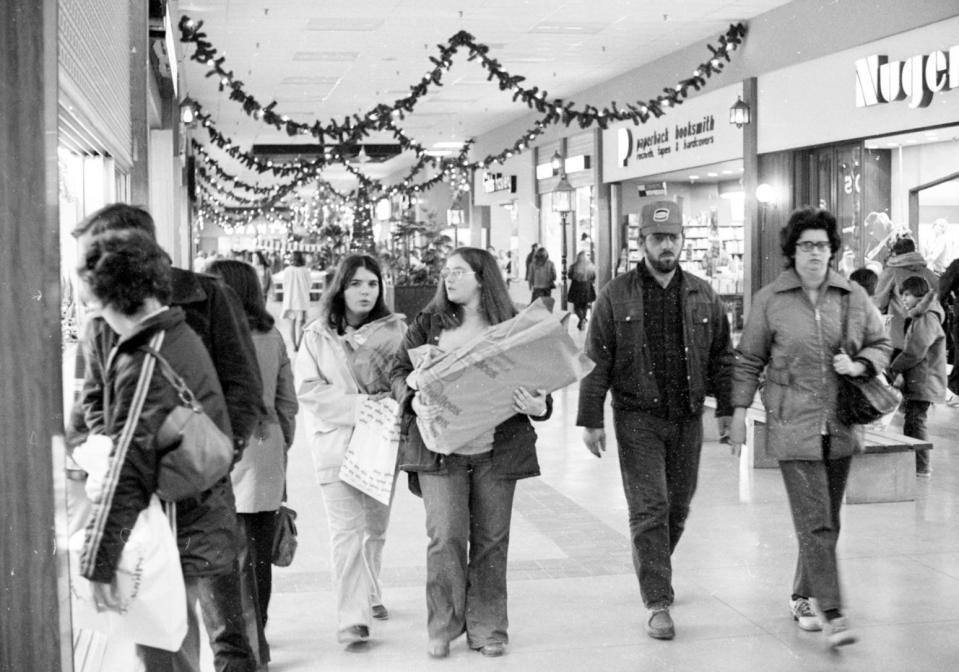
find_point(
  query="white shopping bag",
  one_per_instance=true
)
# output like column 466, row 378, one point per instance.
column 370, row 461
column 150, row 585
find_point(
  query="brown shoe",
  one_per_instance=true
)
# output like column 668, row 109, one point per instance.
column 660, row 624
column 493, row 649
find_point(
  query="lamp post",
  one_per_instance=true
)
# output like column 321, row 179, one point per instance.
column 563, row 204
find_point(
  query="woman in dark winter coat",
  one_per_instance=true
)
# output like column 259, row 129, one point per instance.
column 582, row 290
column 125, row 279
column 806, row 329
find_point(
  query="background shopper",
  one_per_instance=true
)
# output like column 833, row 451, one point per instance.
column 921, row 366
column 582, row 289
column 259, row 478
column 296, row 296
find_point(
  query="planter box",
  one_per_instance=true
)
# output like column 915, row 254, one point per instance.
column 411, row 299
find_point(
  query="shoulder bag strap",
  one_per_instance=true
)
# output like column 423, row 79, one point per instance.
column 112, row 476
column 174, row 378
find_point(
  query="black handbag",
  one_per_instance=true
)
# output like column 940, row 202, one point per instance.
column 284, row 536
column 864, row 399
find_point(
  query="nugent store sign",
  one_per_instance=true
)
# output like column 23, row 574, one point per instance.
column 916, row 79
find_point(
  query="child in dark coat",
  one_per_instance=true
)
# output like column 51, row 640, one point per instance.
column 921, row 365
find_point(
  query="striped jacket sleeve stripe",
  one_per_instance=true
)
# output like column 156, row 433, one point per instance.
column 102, row 510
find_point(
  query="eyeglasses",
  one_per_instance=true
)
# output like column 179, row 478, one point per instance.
column 810, row 245
column 455, row 273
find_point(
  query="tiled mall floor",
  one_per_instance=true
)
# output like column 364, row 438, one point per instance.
column 574, row 602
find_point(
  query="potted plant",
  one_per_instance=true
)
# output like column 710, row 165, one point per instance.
column 420, row 252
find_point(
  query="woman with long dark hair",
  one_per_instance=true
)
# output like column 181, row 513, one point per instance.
column 542, row 275
column 263, row 272
column 345, row 360
column 259, row 478
column 582, row 290
column 468, row 495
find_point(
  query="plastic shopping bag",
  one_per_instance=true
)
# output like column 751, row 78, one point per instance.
column 149, row 581
column 369, row 464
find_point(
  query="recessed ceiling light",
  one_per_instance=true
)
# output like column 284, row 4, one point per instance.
column 447, row 144
column 329, row 56
column 727, row 172
column 309, row 81
column 342, row 23
column 694, row 177
column 568, row 27
column 438, row 152
column 712, row 175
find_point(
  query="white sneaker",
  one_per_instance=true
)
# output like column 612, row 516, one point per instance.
column 838, row 632
column 804, row 614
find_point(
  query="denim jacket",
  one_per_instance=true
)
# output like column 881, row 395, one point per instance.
column 514, row 439
column 617, row 343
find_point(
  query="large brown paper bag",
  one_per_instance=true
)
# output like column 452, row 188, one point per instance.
column 472, row 387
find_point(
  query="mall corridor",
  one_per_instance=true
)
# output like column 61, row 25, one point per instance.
column 574, row 601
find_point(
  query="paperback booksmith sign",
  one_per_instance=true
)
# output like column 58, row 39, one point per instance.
column 917, row 78
column 693, row 134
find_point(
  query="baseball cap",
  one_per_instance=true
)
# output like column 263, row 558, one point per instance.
column 660, row 217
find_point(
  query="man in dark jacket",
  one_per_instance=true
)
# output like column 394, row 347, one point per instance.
column 660, row 340
column 214, row 312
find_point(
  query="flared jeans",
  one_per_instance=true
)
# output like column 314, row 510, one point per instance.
column 468, row 511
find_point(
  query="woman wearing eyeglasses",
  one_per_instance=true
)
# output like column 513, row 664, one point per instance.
column 795, row 333
column 468, row 495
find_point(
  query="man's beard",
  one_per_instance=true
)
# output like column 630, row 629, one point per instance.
column 663, row 265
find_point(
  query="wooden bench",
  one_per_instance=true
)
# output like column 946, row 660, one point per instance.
column 884, row 472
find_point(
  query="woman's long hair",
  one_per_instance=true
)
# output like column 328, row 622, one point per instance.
column 494, row 304
column 582, row 266
column 333, row 305
column 241, row 277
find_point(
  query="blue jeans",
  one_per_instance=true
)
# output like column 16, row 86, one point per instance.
column 219, row 598
column 815, row 490
column 468, row 511
column 914, row 425
column 659, row 463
